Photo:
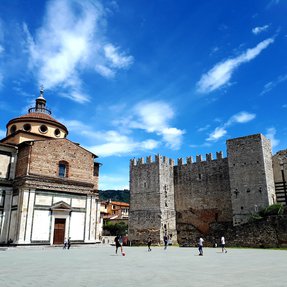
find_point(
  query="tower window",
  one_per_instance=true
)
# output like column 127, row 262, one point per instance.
column 63, row 169
column 27, row 127
column 43, row 129
column 57, row 132
column 13, row 129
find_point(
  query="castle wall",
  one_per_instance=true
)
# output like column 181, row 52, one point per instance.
column 202, row 195
column 209, row 195
column 251, row 175
column 151, row 200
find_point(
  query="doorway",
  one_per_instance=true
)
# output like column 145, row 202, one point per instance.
column 59, row 231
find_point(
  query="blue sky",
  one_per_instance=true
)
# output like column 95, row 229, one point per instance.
column 138, row 78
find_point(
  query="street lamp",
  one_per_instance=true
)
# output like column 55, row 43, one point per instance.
column 284, row 182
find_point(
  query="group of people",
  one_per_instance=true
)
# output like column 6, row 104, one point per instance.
column 119, row 244
column 200, row 245
column 67, row 243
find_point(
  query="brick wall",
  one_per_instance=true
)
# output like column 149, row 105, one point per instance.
column 45, row 157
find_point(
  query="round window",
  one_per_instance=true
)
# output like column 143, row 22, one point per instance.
column 27, row 127
column 57, row 132
column 13, row 129
column 43, row 129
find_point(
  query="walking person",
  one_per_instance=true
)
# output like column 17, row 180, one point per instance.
column 69, row 242
column 65, row 243
column 165, row 240
column 200, row 246
column 222, row 240
column 149, row 243
column 118, row 244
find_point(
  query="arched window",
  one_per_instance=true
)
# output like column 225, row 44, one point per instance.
column 63, row 169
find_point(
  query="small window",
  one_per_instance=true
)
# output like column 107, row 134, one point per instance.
column 63, row 169
column 96, row 168
column 43, row 129
column 13, row 129
column 57, row 132
column 27, row 127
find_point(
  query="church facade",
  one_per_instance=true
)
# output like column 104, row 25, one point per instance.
column 48, row 184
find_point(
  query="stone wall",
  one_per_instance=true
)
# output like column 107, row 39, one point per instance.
column 251, row 176
column 209, row 195
column 202, row 194
column 265, row 233
column 152, row 210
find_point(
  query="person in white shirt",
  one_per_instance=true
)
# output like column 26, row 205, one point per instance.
column 200, row 246
column 222, row 240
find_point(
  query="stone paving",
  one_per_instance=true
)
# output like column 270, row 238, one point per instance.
column 98, row 266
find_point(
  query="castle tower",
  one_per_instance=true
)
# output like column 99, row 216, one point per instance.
column 251, row 175
column 152, row 208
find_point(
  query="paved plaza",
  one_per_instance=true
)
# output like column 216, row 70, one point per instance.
column 99, row 266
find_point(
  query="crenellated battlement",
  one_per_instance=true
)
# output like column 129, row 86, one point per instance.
column 196, row 194
column 180, row 161
column 150, row 160
column 199, row 158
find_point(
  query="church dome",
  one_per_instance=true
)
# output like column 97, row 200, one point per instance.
column 38, row 121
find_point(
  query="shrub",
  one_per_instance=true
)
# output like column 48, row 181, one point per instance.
column 274, row 209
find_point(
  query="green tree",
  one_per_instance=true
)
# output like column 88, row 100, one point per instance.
column 119, row 228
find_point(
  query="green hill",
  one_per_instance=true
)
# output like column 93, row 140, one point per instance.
column 115, row 195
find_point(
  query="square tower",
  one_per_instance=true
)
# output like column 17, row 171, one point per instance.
column 152, row 209
column 251, row 175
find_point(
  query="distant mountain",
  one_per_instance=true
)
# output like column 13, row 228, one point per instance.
column 115, row 195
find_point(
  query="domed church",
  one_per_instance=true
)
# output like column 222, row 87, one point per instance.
column 48, row 184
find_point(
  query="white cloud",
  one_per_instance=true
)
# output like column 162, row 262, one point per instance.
column 110, row 142
column 118, row 145
column 154, row 117
column 118, row 60
column 105, row 71
column 221, row 73
column 218, row 133
column 270, row 134
column 151, row 117
column 172, row 137
column 239, row 118
column 258, row 30
column 71, row 41
column 242, row 117
column 273, row 84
